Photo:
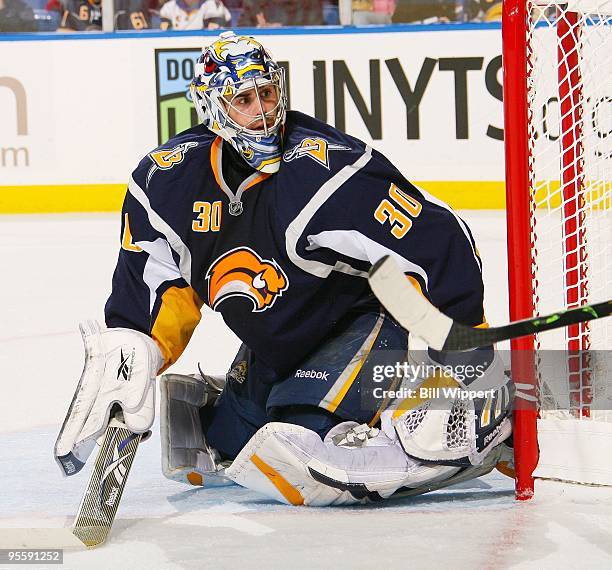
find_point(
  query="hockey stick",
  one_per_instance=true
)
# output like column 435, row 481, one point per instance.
column 99, row 503
column 417, row 315
column 108, row 478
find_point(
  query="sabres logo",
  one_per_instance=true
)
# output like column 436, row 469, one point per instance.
column 316, row 149
column 165, row 159
column 242, row 273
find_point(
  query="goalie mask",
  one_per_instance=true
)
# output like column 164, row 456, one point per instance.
column 239, row 93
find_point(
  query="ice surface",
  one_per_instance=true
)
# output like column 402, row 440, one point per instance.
column 57, row 271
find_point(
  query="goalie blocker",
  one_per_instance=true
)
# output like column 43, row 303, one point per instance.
column 120, row 368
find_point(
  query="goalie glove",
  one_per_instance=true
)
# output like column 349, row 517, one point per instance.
column 120, row 367
column 444, row 421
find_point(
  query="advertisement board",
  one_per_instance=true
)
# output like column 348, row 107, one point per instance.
column 77, row 114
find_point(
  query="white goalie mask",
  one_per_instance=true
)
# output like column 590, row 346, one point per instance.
column 239, row 93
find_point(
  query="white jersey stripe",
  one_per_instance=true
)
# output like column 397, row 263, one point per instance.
column 163, row 228
column 296, row 228
column 358, row 246
column 159, row 268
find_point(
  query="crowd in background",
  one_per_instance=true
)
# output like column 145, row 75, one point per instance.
column 86, row 15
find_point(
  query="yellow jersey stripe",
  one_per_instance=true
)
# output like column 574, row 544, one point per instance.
column 347, row 378
column 176, row 320
column 127, row 242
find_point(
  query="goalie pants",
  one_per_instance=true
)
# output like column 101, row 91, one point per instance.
column 339, row 381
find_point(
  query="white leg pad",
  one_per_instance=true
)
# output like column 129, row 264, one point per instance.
column 293, row 465
column 186, row 456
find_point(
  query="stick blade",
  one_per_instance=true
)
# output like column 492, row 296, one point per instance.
column 109, row 476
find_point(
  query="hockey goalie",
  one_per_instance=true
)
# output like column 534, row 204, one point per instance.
column 273, row 218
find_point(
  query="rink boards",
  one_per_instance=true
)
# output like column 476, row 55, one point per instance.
column 77, row 112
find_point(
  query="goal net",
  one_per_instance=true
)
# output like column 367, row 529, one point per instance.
column 559, row 185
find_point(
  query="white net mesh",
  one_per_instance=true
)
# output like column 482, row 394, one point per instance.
column 415, row 417
column 570, row 108
column 457, row 430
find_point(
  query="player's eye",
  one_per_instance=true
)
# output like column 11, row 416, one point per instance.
column 243, row 100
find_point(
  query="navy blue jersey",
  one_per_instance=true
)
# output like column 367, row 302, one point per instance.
column 286, row 256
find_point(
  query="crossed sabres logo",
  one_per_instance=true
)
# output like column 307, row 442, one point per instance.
column 241, row 272
column 316, row 149
column 165, row 159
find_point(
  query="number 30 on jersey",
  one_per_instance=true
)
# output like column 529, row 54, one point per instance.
column 208, row 216
column 398, row 211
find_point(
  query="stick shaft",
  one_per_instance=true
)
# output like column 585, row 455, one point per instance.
column 417, row 315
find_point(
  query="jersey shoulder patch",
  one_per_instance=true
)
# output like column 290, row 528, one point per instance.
column 190, row 145
column 315, row 148
column 167, row 158
column 311, row 139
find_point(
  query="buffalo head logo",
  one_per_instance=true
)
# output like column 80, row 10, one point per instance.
column 242, row 273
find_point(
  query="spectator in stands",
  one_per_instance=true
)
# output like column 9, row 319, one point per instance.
column 331, row 13
column 384, row 10
column 194, row 15
column 235, row 8
column 16, row 16
column 308, row 12
column 425, row 11
column 81, row 15
column 86, row 15
column 484, row 10
column 54, row 6
column 372, row 11
column 274, row 13
column 132, row 15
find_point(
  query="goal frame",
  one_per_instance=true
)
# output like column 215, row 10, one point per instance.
column 520, row 224
column 520, row 257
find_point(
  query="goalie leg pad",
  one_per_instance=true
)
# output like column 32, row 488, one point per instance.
column 291, row 464
column 186, row 456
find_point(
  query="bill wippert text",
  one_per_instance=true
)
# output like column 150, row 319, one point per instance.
column 424, row 393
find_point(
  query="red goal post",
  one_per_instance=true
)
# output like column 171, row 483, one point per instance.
column 557, row 65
